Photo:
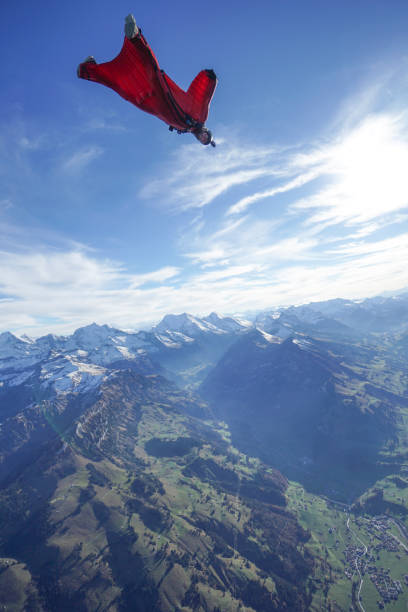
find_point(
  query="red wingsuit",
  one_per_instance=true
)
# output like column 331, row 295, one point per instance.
column 136, row 76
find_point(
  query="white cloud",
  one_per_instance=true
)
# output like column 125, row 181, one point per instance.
column 158, row 276
column 366, row 173
column 59, row 292
column 381, row 248
column 356, row 176
column 80, row 159
column 299, row 181
column 362, row 172
column 208, row 257
column 197, row 176
column 229, row 228
column 31, row 144
column 68, row 289
column 224, row 273
column 30, row 273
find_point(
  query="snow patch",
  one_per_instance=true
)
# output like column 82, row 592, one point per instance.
column 301, row 343
column 270, row 337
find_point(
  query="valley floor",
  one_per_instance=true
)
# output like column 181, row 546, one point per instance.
column 361, row 560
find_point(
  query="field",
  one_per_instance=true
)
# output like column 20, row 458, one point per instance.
column 347, row 548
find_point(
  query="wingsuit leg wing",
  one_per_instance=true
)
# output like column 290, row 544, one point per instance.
column 200, row 93
column 195, row 102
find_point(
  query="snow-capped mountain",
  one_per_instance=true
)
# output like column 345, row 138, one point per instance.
column 186, row 324
column 191, row 326
column 80, row 361
column 271, row 322
column 375, row 314
column 185, row 345
column 338, row 316
column 67, row 363
column 18, row 358
column 228, row 324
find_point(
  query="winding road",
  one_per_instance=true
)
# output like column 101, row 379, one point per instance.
column 357, row 568
column 394, row 522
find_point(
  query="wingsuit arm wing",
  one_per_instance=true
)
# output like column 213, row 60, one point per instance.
column 132, row 74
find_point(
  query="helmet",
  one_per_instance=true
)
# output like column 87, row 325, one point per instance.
column 204, row 135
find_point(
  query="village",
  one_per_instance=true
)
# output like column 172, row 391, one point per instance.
column 363, row 560
column 372, row 552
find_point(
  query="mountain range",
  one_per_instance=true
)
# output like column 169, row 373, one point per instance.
column 149, row 470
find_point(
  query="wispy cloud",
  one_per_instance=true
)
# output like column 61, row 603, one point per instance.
column 366, row 173
column 196, row 176
column 82, row 158
column 247, row 201
column 355, row 175
column 72, row 288
column 30, row 144
column 158, row 276
column 335, row 223
column 60, row 291
column 380, row 248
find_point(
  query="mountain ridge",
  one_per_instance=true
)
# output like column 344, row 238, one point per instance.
column 168, row 506
column 102, row 345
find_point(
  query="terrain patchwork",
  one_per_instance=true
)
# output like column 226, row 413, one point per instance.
column 209, row 464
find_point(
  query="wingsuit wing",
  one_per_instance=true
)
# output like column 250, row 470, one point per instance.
column 136, row 76
column 195, row 102
column 133, row 74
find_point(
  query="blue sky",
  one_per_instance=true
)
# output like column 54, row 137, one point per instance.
column 106, row 216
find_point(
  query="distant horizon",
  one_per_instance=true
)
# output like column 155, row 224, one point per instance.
column 248, row 316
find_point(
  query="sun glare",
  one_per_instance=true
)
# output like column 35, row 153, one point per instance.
column 369, row 167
